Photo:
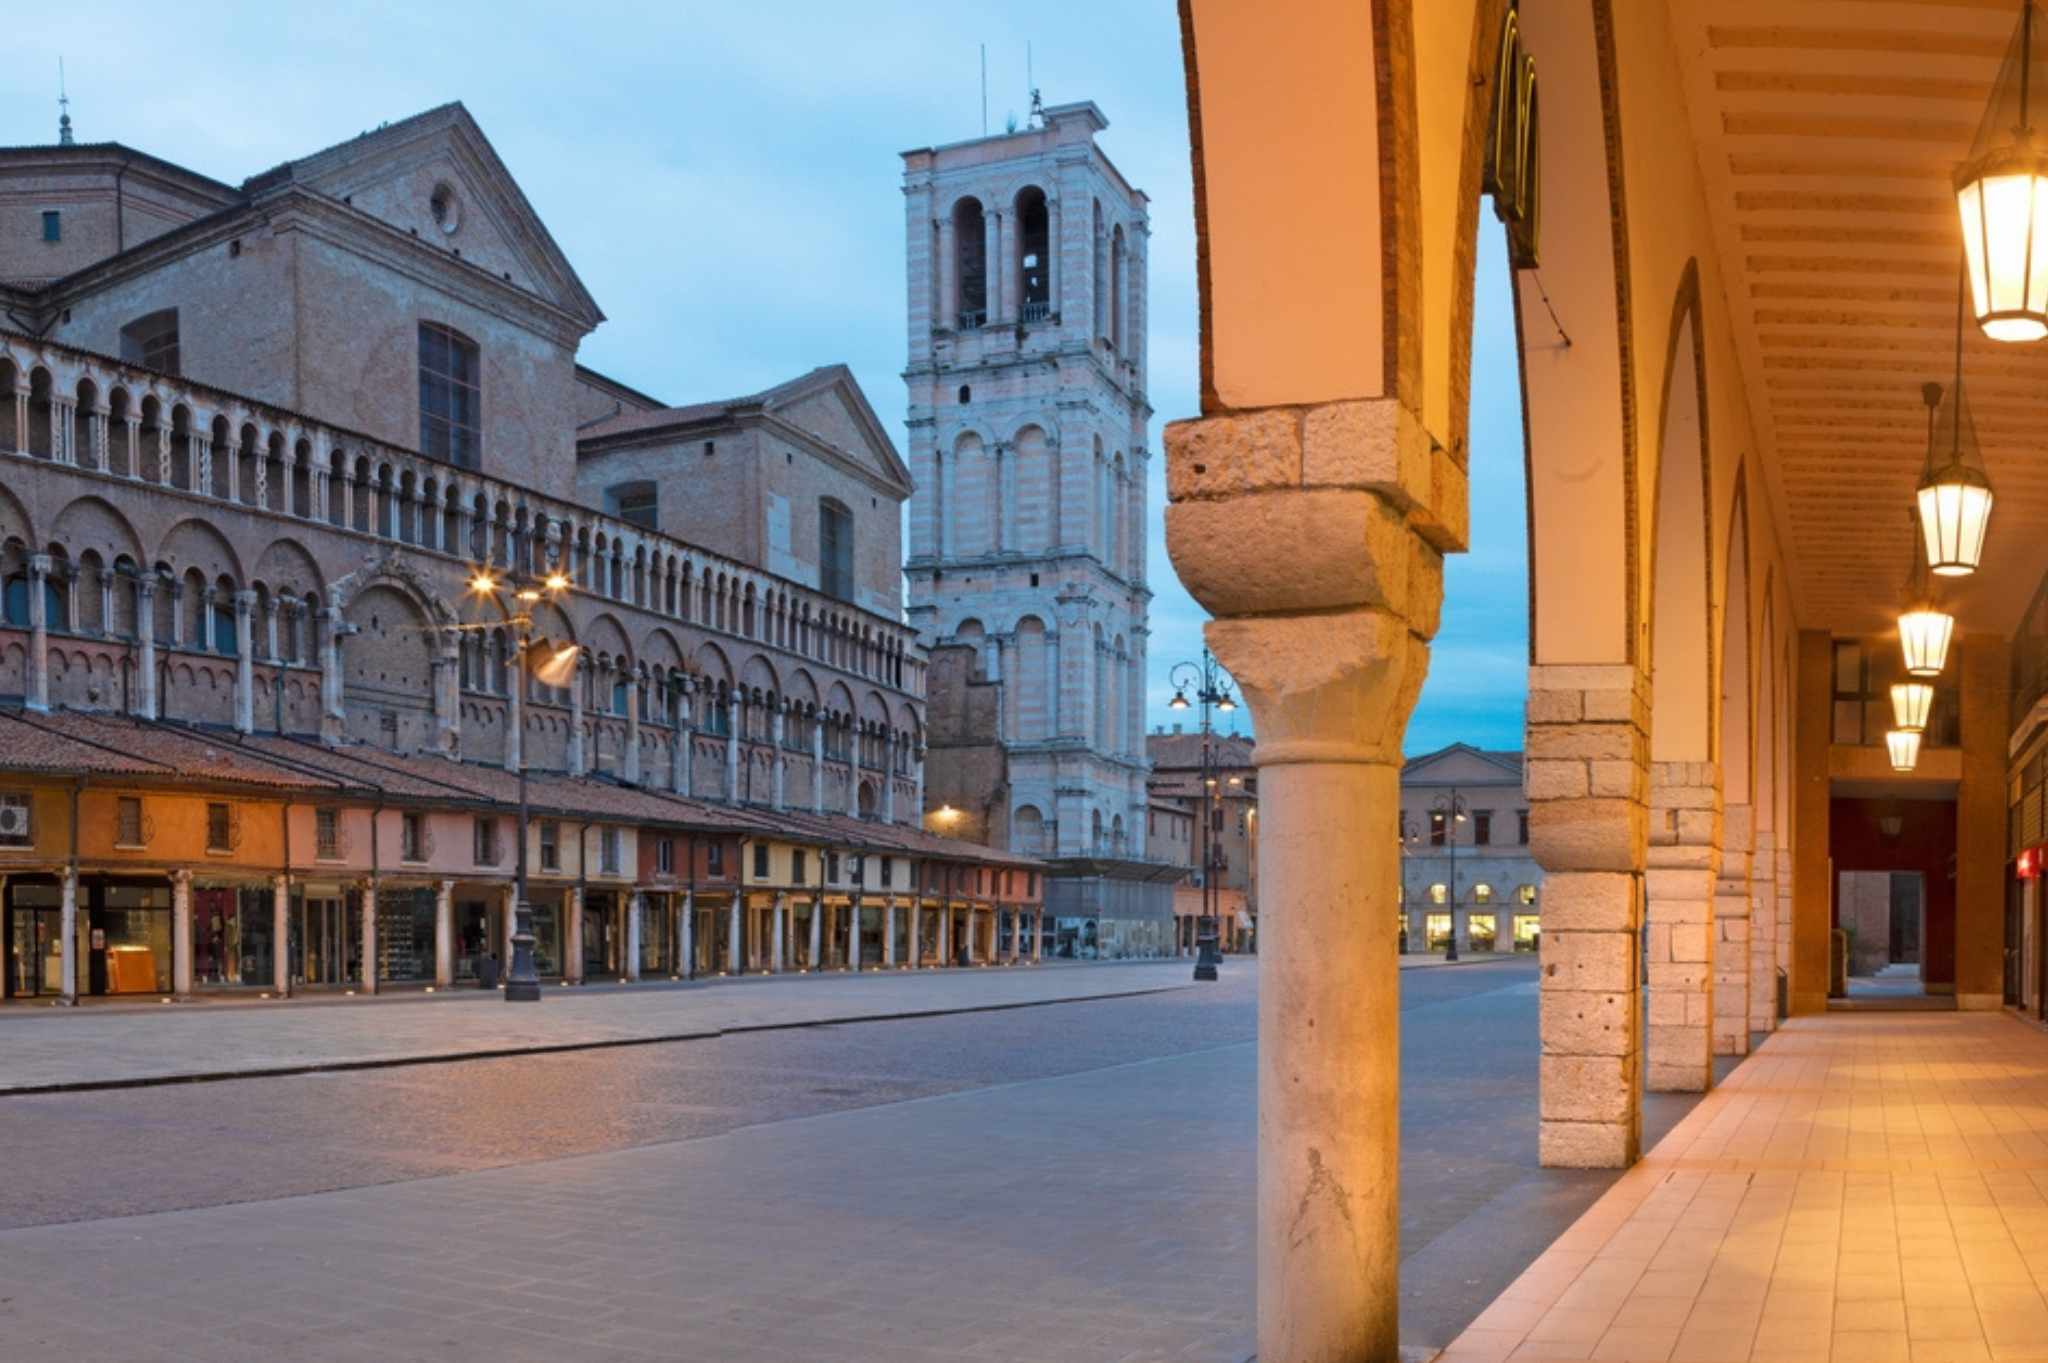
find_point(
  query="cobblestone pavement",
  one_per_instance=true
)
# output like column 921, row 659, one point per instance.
column 1070, row 1181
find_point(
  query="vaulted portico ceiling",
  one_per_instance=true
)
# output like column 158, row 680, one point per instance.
column 1826, row 134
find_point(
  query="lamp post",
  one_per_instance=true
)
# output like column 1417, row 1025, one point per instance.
column 1451, row 810
column 1212, row 690
column 522, row 985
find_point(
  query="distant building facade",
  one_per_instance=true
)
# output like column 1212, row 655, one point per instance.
column 1026, row 571
column 255, row 443
column 1182, row 797
column 1474, row 877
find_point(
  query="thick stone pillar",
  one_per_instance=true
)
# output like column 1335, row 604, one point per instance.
column 889, row 933
column 1683, row 862
column 370, row 896
column 781, row 962
column 1763, row 933
column 1588, row 782
column 686, row 936
column 181, row 934
column 910, row 924
column 444, row 934
column 629, row 968
column 816, row 961
column 1734, row 934
column 734, row 963
column 945, row 912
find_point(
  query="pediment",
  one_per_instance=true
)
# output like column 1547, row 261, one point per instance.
column 436, row 177
column 828, row 405
column 1461, row 763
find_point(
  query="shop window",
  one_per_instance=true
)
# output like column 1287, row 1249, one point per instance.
column 222, row 828
column 760, row 861
column 412, row 836
column 451, row 398
column 487, row 848
column 17, row 828
column 327, row 834
column 152, row 341
column 550, row 845
column 1479, row 929
column 608, row 851
column 665, row 856
column 130, row 827
column 1436, row 931
column 1528, row 932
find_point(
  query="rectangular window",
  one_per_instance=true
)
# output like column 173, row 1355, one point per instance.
column 53, row 225
column 888, row 872
column 1482, row 827
column 128, row 821
column 1522, row 829
column 797, row 868
column 635, row 503
column 327, row 834
column 412, row 836
column 16, row 826
column 665, row 856
column 451, row 397
column 714, row 859
column 760, row 861
column 831, row 867
column 550, row 845
column 486, row 838
column 220, row 827
column 608, row 851
column 835, row 551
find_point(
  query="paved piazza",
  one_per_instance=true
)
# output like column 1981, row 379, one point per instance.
column 1067, row 1177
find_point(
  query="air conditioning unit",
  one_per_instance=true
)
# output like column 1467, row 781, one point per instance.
column 14, row 821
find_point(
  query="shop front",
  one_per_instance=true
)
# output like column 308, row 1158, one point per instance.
column 234, row 935
column 124, row 928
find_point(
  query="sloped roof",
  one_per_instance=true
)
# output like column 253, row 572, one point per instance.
column 1462, row 761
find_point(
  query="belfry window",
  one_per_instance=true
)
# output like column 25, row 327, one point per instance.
column 1034, row 258
column 451, row 398
column 970, row 263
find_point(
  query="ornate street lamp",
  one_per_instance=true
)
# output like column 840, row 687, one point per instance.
column 1450, row 811
column 2002, row 196
column 1212, row 689
column 1955, row 491
column 522, row 984
column 1912, row 702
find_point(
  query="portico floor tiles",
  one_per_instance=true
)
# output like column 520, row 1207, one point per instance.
column 1866, row 1187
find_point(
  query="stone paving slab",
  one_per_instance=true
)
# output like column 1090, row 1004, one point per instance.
column 1103, row 1217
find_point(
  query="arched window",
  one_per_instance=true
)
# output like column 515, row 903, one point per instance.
column 835, row 550
column 1439, row 893
column 970, row 264
column 1525, row 894
column 1034, row 255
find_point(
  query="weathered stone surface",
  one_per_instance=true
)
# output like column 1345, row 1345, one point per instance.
column 1581, row 1023
column 1594, row 962
column 1554, row 780
column 1224, row 456
column 1320, row 550
column 1589, row 900
column 1578, row 1088
column 1585, row 1145
column 1586, row 835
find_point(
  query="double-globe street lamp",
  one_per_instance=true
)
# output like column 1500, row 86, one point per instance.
column 1212, row 691
column 522, row 984
column 1449, row 813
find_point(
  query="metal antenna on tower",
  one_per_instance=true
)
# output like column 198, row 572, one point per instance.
column 63, row 108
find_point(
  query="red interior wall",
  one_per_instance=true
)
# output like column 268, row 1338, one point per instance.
column 1926, row 843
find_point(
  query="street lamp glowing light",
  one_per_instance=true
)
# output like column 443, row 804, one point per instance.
column 1924, row 633
column 2002, row 197
column 483, row 582
column 1912, row 701
column 1955, row 492
column 557, row 582
column 1225, row 702
column 1179, row 701
column 1904, row 745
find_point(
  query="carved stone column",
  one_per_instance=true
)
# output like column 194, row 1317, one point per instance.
column 1325, row 628
column 778, row 719
column 1763, row 933
column 1588, row 781
column 629, row 761
column 817, row 765
column 39, row 568
column 145, row 630
column 444, row 934
column 734, row 713
column 1733, row 934
column 1684, row 858
column 245, row 662
column 576, row 671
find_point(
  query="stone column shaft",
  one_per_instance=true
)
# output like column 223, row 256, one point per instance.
column 686, row 936
column 734, row 962
column 181, row 934
column 370, row 893
column 67, row 936
column 572, row 945
column 281, row 935
column 1683, row 863
column 39, row 567
column 444, row 934
column 816, row 960
column 1734, row 934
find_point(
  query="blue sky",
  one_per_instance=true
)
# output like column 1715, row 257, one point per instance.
column 727, row 181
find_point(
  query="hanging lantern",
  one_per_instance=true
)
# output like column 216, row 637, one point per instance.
column 1925, row 628
column 1905, row 748
column 1955, row 492
column 1912, row 702
column 2002, row 194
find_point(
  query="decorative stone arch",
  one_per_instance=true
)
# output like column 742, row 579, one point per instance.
column 91, row 522
column 194, row 542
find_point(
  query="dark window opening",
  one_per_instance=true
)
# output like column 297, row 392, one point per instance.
column 1482, row 827
column 970, row 254
column 152, row 341
column 714, row 859
column 451, row 399
column 966, row 394
column 53, row 225
column 1034, row 262
column 760, row 861
column 835, row 551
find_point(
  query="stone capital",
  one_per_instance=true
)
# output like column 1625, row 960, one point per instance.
column 1325, row 688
